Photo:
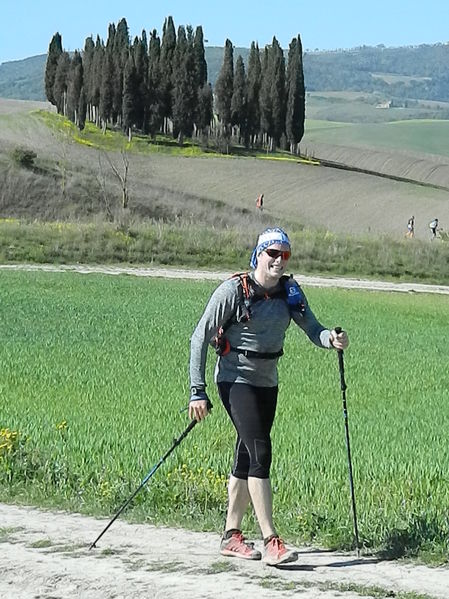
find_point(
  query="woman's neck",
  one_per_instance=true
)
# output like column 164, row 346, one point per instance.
column 264, row 281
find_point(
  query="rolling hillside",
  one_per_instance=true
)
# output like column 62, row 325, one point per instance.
column 319, row 197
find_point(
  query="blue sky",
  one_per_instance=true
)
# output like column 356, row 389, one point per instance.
column 28, row 25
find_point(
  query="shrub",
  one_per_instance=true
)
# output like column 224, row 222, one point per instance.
column 24, row 157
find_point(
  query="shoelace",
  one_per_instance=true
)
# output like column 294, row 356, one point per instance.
column 278, row 543
column 239, row 537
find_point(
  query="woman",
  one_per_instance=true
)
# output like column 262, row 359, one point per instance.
column 246, row 319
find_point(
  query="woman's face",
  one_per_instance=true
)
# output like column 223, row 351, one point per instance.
column 272, row 261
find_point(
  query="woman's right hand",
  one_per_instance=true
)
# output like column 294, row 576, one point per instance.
column 199, row 406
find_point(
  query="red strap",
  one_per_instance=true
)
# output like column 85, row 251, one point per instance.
column 243, row 276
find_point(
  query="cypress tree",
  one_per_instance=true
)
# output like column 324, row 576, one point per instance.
column 96, row 77
column 199, row 57
column 121, row 38
column 277, row 92
column 253, row 94
column 106, row 96
column 111, row 37
column 120, row 57
column 142, row 73
column 266, row 113
column 88, row 56
column 140, row 54
column 61, row 81
column 239, row 100
column 82, row 108
column 54, row 52
column 224, row 88
column 205, row 110
column 130, row 84
column 168, row 46
column 153, row 102
column 74, row 85
column 184, row 85
column 295, row 113
column 301, row 91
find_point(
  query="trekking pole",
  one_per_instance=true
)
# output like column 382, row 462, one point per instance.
column 348, row 447
column 176, row 442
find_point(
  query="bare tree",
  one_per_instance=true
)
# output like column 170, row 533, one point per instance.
column 121, row 175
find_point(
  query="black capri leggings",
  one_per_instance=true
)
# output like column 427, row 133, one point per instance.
column 251, row 410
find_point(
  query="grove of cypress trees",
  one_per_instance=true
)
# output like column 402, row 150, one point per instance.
column 143, row 85
column 54, row 52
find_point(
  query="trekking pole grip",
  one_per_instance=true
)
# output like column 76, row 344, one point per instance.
column 341, row 366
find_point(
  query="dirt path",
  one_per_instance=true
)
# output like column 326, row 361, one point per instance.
column 46, row 555
column 178, row 273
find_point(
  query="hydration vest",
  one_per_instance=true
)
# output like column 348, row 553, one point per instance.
column 290, row 292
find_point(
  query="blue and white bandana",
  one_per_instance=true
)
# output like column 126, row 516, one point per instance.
column 267, row 238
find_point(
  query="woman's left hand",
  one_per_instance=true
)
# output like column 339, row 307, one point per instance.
column 339, row 340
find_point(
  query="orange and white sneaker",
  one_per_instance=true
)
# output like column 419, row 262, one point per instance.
column 237, row 546
column 276, row 552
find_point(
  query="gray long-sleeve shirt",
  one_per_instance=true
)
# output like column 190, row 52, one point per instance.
column 264, row 332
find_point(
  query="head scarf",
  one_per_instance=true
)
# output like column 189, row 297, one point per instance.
column 267, row 238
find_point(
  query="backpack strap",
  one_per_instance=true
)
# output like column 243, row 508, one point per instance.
column 243, row 313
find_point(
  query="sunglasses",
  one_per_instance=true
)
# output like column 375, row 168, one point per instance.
column 285, row 255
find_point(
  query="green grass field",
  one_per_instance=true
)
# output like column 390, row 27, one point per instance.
column 94, row 375
column 423, row 136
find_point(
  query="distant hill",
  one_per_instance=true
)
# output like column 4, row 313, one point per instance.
column 412, row 72
column 23, row 79
column 415, row 72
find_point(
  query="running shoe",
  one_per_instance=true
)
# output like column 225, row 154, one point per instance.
column 276, row 552
column 237, row 546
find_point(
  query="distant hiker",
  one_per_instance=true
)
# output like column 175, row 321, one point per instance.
column 259, row 202
column 245, row 321
column 434, row 227
column 410, row 227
